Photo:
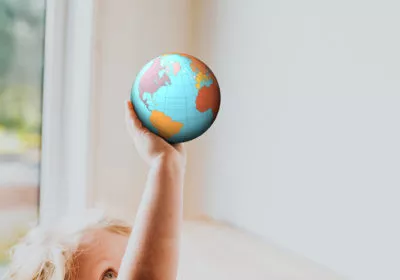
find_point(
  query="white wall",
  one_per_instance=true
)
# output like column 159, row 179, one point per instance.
column 306, row 149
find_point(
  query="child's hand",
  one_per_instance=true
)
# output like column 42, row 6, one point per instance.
column 150, row 146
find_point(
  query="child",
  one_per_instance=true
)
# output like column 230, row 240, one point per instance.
column 97, row 248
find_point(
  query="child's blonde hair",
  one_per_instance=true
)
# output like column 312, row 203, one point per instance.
column 49, row 253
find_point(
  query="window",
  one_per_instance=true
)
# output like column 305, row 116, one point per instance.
column 22, row 25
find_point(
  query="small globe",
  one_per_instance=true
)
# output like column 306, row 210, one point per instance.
column 176, row 96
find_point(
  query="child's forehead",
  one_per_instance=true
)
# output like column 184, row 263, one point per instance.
column 99, row 250
column 102, row 239
column 98, row 236
column 101, row 242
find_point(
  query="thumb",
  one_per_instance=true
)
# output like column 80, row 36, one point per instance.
column 132, row 120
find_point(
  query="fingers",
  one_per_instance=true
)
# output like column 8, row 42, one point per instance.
column 180, row 147
column 136, row 128
column 132, row 120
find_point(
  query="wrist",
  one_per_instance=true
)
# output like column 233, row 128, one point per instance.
column 171, row 162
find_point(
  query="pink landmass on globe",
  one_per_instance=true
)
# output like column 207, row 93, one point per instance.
column 177, row 68
column 151, row 81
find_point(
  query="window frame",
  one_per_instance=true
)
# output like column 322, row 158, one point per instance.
column 66, row 153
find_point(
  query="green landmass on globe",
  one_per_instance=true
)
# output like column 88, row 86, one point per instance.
column 176, row 96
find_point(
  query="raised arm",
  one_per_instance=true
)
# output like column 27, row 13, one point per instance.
column 153, row 248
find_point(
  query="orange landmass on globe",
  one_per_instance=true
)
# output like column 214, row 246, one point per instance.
column 164, row 124
column 200, row 77
column 209, row 98
column 200, row 68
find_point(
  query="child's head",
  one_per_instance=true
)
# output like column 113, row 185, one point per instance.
column 89, row 247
